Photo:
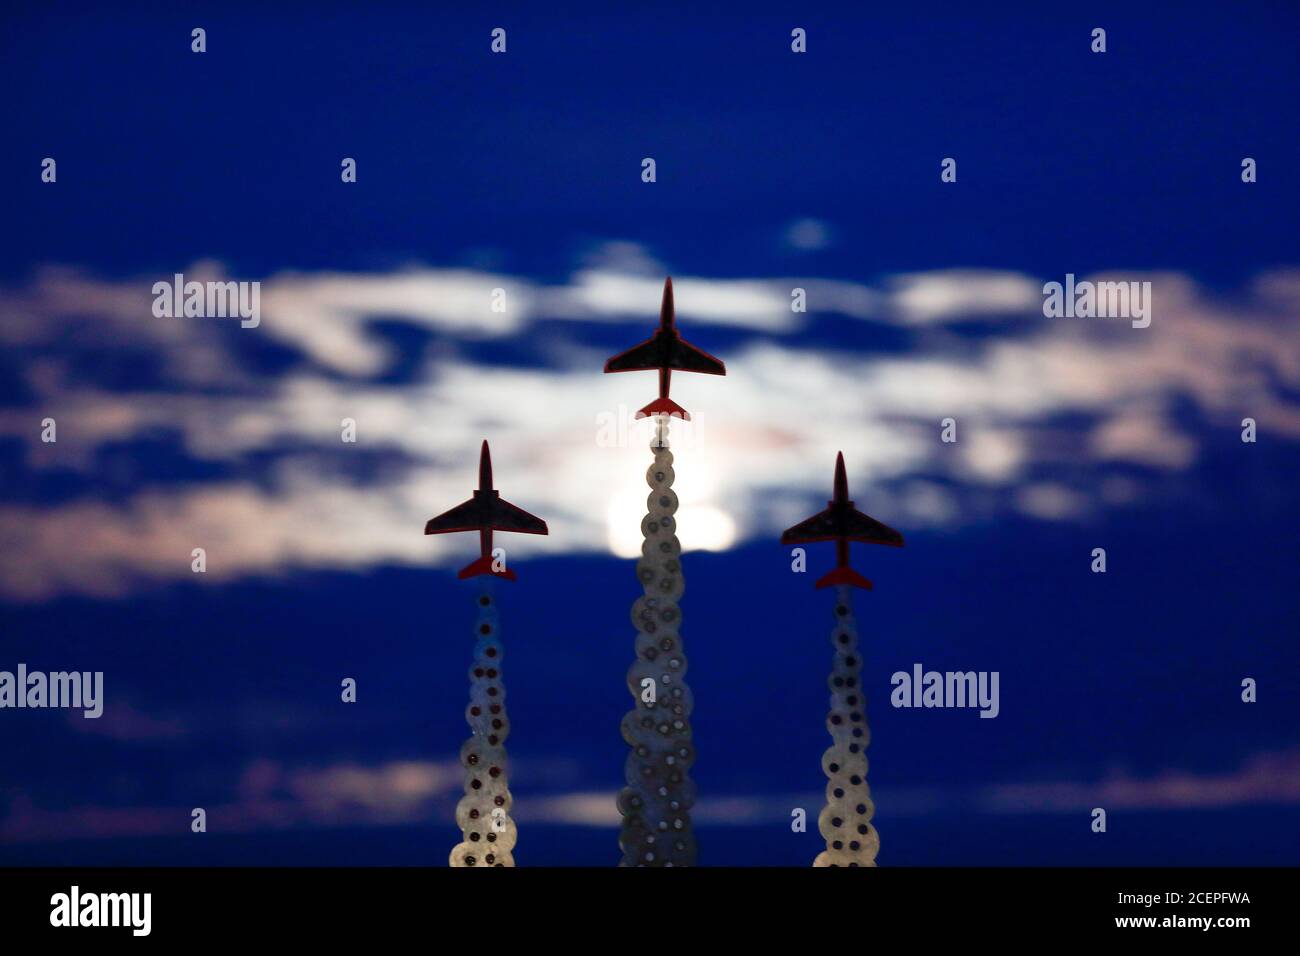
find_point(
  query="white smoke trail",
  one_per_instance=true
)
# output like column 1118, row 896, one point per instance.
column 659, row 794
column 483, row 814
column 845, row 821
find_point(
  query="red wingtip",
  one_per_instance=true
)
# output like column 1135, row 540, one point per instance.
column 664, row 406
column 483, row 565
column 845, row 575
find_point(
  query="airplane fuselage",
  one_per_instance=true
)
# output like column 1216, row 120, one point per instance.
column 841, row 522
column 485, row 512
column 665, row 351
column 488, row 493
column 840, row 509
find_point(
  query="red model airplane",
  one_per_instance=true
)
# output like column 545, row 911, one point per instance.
column 665, row 351
column 842, row 523
column 486, row 512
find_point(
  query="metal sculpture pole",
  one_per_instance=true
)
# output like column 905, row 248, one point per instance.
column 845, row 821
column 657, row 800
column 483, row 814
column 659, row 794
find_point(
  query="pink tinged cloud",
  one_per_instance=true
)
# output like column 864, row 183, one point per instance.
column 271, row 796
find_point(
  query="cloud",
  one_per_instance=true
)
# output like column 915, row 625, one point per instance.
column 929, row 297
column 267, row 796
column 1145, row 438
column 326, row 314
column 124, row 722
column 744, row 303
column 270, row 795
column 1049, row 501
column 808, row 235
column 564, row 443
column 1265, row 778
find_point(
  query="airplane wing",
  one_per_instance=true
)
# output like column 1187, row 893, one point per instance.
column 466, row 516
column 649, row 354
column 507, row 517
column 824, row 526
column 690, row 359
column 820, row 527
column 862, row 527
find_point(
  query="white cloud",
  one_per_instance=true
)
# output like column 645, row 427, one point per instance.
column 326, row 315
column 757, row 457
column 750, row 304
column 928, row 297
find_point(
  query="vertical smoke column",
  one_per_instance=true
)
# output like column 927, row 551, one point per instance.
column 657, row 799
column 483, row 814
column 845, row 821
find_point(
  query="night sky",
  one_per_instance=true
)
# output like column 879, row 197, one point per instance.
column 775, row 170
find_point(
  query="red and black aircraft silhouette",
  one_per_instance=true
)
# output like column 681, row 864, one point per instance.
column 665, row 351
column 842, row 523
column 486, row 512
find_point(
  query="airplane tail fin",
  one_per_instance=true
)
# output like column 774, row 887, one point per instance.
column 844, row 575
column 484, row 566
column 664, row 406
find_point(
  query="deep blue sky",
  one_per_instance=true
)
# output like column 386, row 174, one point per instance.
column 1095, row 161
column 1068, row 162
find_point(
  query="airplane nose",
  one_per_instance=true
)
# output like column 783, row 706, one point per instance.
column 485, row 467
